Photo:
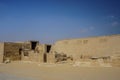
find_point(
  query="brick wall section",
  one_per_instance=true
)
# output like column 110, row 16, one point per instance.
column 11, row 50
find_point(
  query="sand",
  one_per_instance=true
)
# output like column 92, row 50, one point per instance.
column 37, row 71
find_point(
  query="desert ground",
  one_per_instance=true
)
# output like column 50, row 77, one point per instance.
column 45, row 71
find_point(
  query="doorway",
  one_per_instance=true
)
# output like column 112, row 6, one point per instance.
column 34, row 44
column 48, row 47
column 45, row 57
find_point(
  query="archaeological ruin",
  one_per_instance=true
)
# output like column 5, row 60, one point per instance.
column 106, row 48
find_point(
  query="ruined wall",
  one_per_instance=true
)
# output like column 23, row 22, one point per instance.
column 12, row 50
column 1, row 52
column 94, row 46
column 26, row 45
column 40, row 54
column 36, row 55
column 50, row 58
column 32, row 56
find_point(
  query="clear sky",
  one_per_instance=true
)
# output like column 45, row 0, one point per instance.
column 51, row 20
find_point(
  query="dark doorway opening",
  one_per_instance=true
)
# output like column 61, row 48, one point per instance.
column 48, row 48
column 33, row 44
column 20, row 53
column 45, row 57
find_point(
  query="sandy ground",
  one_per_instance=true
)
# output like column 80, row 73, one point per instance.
column 36, row 71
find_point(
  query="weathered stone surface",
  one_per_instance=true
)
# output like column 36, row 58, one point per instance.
column 50, row 58
column 106, row 48
column 88, row 47
column 1, row 52
column 12, row 50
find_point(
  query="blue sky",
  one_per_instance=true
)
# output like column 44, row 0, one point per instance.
column 51, row 20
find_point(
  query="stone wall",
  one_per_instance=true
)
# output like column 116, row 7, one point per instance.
column 87, row 47
column 1, row 52
column 32, row 56
column 50, row 58
column 12, row 50
column 36, row 55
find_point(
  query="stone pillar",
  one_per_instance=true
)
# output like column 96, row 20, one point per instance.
column 50, row 58
column 1, row 52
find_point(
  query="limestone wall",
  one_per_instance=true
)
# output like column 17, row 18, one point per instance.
column 93, row 46
column 36, row 55
column 12, row 50
column 50, row 58
column 1, row 52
